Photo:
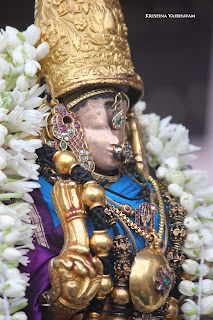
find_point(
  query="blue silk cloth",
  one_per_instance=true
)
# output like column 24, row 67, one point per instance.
column 125, row 186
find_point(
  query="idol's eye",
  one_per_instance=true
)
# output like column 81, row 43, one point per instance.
column 109, row 104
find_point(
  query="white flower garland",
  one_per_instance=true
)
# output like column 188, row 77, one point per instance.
column 20, row 124
column 168, row 149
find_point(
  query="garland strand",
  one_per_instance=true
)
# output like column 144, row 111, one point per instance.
column 20, row 125
column 169, row 152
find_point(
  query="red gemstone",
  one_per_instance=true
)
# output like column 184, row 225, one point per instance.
column 77, row 125
column 62, row 128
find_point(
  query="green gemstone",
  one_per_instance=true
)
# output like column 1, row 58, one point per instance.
column 63, row 145
column 166, row 281
column 118, row 121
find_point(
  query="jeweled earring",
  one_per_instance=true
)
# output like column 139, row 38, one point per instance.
column 118, row 115
column 66, row 132
column 123, row 152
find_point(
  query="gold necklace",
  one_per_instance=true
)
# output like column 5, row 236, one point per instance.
column 123, row 216
column 102, row 177
column 145, row 212
column 126, row 209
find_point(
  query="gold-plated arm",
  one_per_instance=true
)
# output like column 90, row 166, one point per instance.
column 75, row 275
column 66, row 197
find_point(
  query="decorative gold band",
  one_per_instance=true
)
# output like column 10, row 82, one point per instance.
column 73, row 100
column 102, row 177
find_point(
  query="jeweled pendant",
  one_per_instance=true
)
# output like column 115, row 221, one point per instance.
column 117, row 119
column 150, row 280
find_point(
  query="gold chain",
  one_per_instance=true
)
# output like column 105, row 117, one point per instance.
column 161, row 206
column 129, row 222
column 133, row 225
column 110, row 179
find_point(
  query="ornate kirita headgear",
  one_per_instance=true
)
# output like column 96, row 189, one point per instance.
column 88, row 46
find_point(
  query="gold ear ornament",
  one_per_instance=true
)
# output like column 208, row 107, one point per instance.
column 118, row 115
column 64, row 132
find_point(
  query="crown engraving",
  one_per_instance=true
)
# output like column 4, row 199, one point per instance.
column 88, row 45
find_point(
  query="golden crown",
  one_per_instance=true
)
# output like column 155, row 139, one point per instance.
column 88, row 46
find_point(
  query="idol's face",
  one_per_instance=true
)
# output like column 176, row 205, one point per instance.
column 95, row 118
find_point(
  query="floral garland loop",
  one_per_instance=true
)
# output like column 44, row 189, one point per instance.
column 20, row 124
column 170, row 153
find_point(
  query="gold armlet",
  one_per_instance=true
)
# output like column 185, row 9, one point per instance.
column 67, row 200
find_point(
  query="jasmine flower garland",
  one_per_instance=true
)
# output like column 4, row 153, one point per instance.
column 20, row 125
column 170, row 152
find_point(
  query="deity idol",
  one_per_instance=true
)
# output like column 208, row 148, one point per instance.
column 109, row 234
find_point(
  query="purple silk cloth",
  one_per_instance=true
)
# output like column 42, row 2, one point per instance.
column 48, row 243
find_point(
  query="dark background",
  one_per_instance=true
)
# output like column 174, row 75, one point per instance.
column 171, row 55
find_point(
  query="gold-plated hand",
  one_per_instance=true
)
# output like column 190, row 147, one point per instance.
column 75, row 277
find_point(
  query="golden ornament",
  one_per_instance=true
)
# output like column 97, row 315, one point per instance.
column 65, row 161
column 88, row 46
column 93, row 195
column 100, row 243
column 149, row 269
column 120, row 296
column 92, row 316
column 106, row 287
column 172, row 311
